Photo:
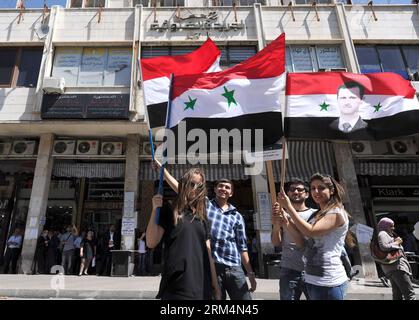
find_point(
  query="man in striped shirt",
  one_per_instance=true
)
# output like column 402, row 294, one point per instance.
column 228, row 241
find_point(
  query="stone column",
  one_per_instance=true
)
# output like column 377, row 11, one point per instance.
column 38, row 201
column 130, row 188
column 353, row 204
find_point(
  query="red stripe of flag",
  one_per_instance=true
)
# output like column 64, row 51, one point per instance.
column 194, row 62
column 267, row 63
column 384, row 83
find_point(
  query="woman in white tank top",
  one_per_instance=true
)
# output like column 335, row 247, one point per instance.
column 323, row 238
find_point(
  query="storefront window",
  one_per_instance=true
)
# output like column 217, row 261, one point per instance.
column 93, row 67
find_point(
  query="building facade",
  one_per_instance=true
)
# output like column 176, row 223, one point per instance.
column 74, row 140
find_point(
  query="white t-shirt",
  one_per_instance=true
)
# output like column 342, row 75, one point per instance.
column 141, row 246
column 322, row 263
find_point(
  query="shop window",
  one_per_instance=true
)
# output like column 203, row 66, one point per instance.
column 19, row 67
column 93, row 67
column 313, row 58
column 400, row 60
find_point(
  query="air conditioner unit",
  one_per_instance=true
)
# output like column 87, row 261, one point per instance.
column 53, row 85
column 403, row 147
column 5, row 148
column 64, row 147
column 87, row 147
column 361, row 147
column 23, row 147
column 146, row 150
column 111, row 148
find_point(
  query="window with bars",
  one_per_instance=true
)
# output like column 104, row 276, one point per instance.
column 93, row 67
column 311, row 1
column 313, row 58
column 377, row 1
column 403, row 60
column 230, row 55
column 19, row 67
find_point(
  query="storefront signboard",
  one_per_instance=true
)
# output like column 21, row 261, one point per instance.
column 395, row 192
column 85, row 106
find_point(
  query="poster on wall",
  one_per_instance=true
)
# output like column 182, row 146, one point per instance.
column 66, row 65
column 329, row 57
column 118, row 69
column 92, row 66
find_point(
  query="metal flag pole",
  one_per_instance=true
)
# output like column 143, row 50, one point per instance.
column 164, row 161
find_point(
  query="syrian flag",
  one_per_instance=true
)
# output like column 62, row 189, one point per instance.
column 245, row 96
column 156, row 77
column 342, row 105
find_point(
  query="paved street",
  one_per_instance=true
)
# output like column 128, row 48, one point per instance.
column 93, row 287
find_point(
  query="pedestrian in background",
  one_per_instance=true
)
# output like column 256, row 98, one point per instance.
column 399, row 272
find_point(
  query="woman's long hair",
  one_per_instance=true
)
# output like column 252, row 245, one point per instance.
column 182, row 201
column 335, row 201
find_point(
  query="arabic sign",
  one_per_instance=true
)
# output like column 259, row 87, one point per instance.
column 197, row 22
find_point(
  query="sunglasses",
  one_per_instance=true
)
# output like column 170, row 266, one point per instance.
column 293, row 189
column 195, row 186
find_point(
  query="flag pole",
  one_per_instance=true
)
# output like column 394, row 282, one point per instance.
column 271, row 180
column 164, row 161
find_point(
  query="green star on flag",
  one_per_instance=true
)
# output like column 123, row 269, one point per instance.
column 377, row 107
column 229, row 95
column 324, row 106
column 190, row 104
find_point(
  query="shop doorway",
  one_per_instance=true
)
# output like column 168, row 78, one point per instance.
column 59, row 214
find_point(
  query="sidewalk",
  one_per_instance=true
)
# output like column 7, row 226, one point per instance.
column 93, row 287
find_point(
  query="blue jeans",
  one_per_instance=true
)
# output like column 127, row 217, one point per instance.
column 291, row 284
column 326, row 293
column 232, row 280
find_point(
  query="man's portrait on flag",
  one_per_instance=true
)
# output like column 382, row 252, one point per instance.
column 350, row 100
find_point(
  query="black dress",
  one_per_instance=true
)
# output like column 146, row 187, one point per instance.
column 186, row 271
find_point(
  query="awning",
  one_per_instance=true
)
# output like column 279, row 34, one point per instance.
column 365, row 168
column 89, row 170
column 212, row 172
column 305, row 158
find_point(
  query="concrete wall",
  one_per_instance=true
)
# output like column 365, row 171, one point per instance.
column 394, row 23
column 17, row 104
column 75, row 25
column 24, row 31
column 305, row 27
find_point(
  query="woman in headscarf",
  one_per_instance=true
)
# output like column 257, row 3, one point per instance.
column 398, row 272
